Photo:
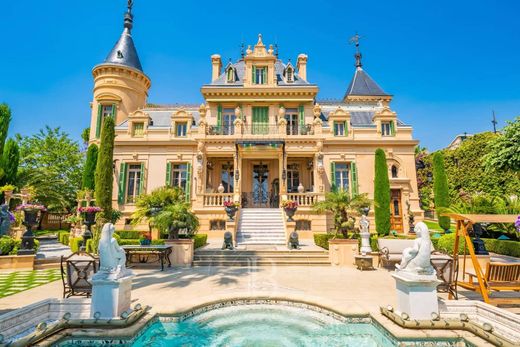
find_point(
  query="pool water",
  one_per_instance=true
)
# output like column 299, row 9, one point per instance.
column 262, row 325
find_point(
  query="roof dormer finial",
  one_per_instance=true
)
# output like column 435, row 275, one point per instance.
column 129, row 17
column 355, row 40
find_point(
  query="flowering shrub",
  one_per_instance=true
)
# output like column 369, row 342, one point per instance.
column 289, row 204
column 517, row 224
column 231, row 204
column 90, row 209
column 23, row 207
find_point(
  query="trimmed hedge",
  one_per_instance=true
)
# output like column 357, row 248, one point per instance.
column 129, row 234
column 6, row 245
column 63, row 237
column 446, row 243
column 200, row 240
column 75, row 244
column 89, row 247
column 504, row 247
column 322, row 240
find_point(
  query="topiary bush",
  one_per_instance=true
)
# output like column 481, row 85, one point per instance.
column 440, row 188
column 6, row 245
column 63, row 237
column 322, row 240
column 89, row 247
column 104, row 169
column 75, row 244
column 127, row 242
column 129, row 234
column 504, row 247
column 446, row 244
column 89, row 170
column 381, row 194
column 200, row 240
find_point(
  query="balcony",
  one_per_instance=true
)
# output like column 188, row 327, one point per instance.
column 216, row 199
column 304, row 199
column 259, row 130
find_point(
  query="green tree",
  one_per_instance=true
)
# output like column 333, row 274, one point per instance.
column 174, row 218
column 344, row 208
column 52, row 163
column 85, row 136
column 5, row 120
column 505, row 154
column 10, row 161
column 104, row 169
column 381, row 194
column 440, row 188
column 89, row 171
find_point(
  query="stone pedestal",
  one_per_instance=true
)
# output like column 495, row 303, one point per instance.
column 342, row 252
column 111, row 297
column 416, row 294
column 182, row 252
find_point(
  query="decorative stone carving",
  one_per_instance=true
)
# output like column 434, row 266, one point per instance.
column 281, row 112
column 316, row 111
column 416, row 259
column 5, row 221
column 112, row 258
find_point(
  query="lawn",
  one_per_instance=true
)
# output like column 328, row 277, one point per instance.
column 15, row 282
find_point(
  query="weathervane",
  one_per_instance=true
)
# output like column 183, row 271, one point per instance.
column 129, row 5
column 355, row 40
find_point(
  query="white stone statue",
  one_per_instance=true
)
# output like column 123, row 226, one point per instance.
column 416, row 259
column 112, row 257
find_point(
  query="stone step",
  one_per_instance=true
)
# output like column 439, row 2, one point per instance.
column 260, row 253
column 262, row 262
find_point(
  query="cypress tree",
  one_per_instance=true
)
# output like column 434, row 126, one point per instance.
column 440, row 188
column 10, row 161
column 89, row 171
column 5, row 119
column 381, row 194
column 104, row 169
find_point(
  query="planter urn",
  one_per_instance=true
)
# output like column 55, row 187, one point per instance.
column 90, row 220
column 290, row 213
column 231, row 211
column 30, row 220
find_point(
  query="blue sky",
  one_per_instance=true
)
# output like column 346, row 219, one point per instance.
column 448, row 63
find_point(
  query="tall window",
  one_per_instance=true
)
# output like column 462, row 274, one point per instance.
column 133, row 188
column 107, row 110
column 342, row 176
column 291, row 116
column 386, row 128
column 293, row 177
column 339, row 128
column 181, row 129
column 228, row 119
column 138, row 129
column 259, row 75
column 230, row 75
column 180, row 175
column 226, row 177
column 290, row 74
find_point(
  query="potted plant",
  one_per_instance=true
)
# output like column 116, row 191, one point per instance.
column 144, row 240
column 32, row 213
column 8, row 192
column 231, row 209
column 290, row 207
column 89, row 213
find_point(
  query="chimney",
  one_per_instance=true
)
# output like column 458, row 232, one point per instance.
column 302, row 66
column 216, row 63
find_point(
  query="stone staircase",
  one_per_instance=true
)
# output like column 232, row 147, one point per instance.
column 212, row 257
column 261, row 226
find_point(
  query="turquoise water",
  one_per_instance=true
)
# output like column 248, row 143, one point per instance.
column 262, row 325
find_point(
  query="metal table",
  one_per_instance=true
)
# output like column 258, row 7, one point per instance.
column 144, row 253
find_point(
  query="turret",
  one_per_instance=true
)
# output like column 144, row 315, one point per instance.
column 120, row 85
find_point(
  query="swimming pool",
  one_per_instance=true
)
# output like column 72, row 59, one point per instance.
column 262, row 324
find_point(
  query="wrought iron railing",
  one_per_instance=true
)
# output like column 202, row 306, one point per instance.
column 260, row 199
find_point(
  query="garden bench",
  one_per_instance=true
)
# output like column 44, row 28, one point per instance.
column 498, row 277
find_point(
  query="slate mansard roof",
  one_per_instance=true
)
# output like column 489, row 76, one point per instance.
column 240, row 68
column 363, row 85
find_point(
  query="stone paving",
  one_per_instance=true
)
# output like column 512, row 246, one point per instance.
column 51, row 248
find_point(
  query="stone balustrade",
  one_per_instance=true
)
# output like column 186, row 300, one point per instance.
column 216, row 199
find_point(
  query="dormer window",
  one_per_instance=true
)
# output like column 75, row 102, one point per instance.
column 138, row 129
column 387, row 128
column 259, row 75
column 289, row 74
column 230, row 74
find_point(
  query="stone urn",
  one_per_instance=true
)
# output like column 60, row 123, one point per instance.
column 231, row 211
column 290, row 211
column 89, row 215
column 31, row 218
column 301, row 188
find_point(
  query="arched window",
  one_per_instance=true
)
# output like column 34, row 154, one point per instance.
column 394, row 171
column 290, row 74
column 230, row 75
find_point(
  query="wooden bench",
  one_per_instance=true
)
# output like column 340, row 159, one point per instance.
column 498, row 277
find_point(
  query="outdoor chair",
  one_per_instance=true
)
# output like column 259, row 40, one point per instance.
column 76, row 273
column 447, row 271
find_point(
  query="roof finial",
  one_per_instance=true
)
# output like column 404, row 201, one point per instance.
column 129, row 18
column 355, row 40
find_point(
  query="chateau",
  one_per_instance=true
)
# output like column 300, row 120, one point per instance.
column 260, row 137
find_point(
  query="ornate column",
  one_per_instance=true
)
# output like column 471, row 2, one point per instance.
column 203, row 124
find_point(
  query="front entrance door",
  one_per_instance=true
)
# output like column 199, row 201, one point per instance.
column 396, row 213
column 260, row 196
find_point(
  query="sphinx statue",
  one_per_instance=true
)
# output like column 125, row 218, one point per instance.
column 416, row 259
column 112, row 257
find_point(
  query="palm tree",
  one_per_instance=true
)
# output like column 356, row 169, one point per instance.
column 344, row 209
column 175, row 218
